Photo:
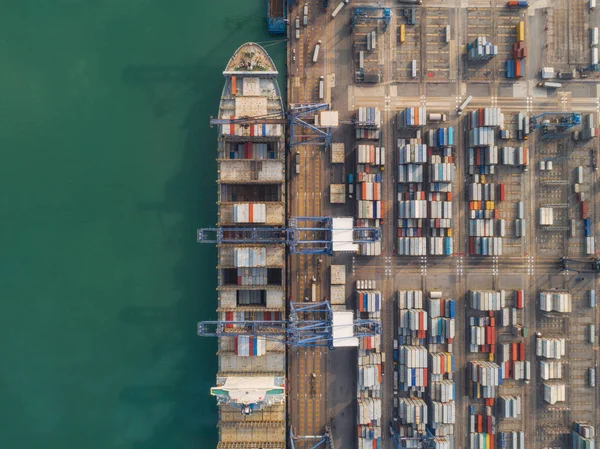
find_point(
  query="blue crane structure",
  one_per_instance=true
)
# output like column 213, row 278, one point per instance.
column 297, row 115
column 402, row 442
column 321, row 441
column 361, row 14
column 304, row 235
column 310, row 324
column 555, row 124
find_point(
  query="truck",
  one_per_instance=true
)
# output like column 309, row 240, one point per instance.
column 316, row 52
column 549, row 85
column 464, row 104
column 565, row 75
column 338, row 8
column 447, row 35
column 321, row 87
column 437, row 117
column 350, row 185
column 297, row 162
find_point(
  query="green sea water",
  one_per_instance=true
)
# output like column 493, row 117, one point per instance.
column 107, row 169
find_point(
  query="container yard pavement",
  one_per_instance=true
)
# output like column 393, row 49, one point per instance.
column 530, row 263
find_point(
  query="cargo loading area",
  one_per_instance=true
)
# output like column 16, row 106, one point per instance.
column 468, row 135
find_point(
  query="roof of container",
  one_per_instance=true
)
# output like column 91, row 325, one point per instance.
column 343, row 330
column 342, row 234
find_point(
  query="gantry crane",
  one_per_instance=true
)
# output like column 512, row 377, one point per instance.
column 309, row 324
column 554, row 124
column 321, row 441
column 580, row 266
column 304, row 235
column 361, row 14
column 298, row 115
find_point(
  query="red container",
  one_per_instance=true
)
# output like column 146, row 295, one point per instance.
column 481, row 116
column 502, row 192
column 488, row 335
column 449, row 196
column 519, row 299
column 584, row 210
column 522, row 352
column 471, row 245
column 524, row 52
column 493, row 321
column 525, row 158
column 479, row 423
column 513, row 351
column 488, row 424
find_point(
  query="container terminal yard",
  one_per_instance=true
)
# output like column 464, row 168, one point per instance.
column 407, row 250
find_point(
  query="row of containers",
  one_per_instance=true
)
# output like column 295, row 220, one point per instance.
column 511, row 440
column 264, row 130
column 440, row 171
column 250, row 213
column 583, row 436
column 515, row 67
column 252, row 150
column 370, row 154
column 412, row 117
column 441, row 137
column 418, row 209
column 370, row 163
column 424, row 392
column 371, row 364
column 483, row 157
column 590, row 128
column 554, row 392
column 555, row 302
column 481, row 50
column 550, row 348
column 485, row 246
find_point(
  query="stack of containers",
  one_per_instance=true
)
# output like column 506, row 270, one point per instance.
column 551, row 369
column 264, row 130
column 583, row 436
column 442, row 390
column 368, row 123
column 370, row 155
column 487, row 300
column 252, row 150
column 412, row 203
column 481, row 50
column 554, row 392
column 251, row 276
column 482, row 428
column 484, row 380
column 514, row 157
column 510, row 406
column 511, row 357
column 483, row 334
column 508, row 316
column 371, row 361
column 516, row 67
column 590, row 130
column 413, row 412
column 412, row 319
column 249, row 257
column 555, row 302
column 441, row 177
column 248, row 346
column 370, row 162
column 441, row 137
column 250, row 213
column 369, row 302
column 413, row 368
column 550, row 348
column 546, row 216
column 522, row 128
column 483, row 195
column 513, row 440
column 441, row 325
column 412, row 117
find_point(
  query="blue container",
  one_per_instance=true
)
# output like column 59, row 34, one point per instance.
column 351, row 178
column 587, row 224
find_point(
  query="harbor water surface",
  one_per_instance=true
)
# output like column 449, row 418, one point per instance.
column 108, row 168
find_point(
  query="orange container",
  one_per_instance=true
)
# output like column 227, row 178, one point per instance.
column 233, row 85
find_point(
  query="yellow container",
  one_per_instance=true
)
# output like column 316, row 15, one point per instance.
column 402, row 33
column 521, row 31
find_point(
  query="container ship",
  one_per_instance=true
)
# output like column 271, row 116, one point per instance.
column 250, row 386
